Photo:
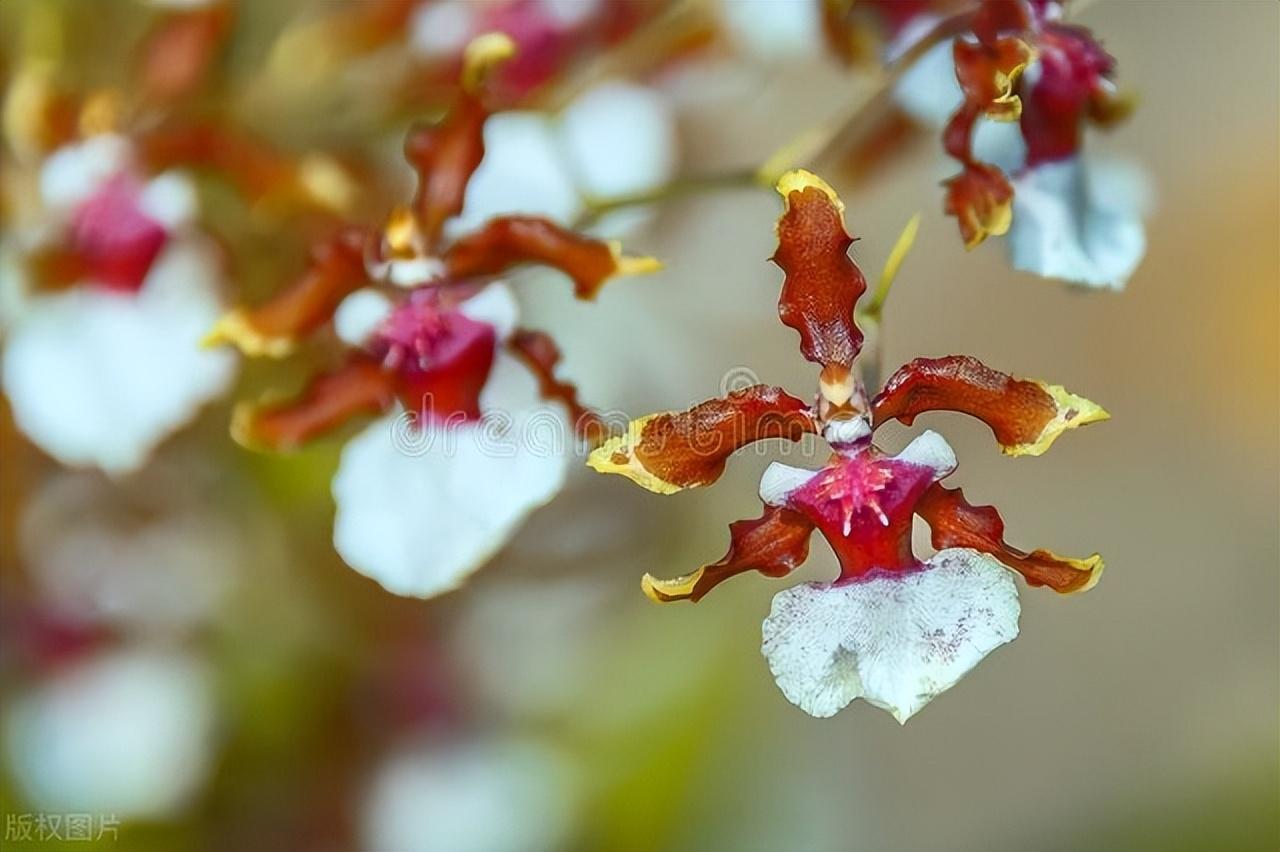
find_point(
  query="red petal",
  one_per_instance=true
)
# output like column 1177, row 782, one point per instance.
column 540, row 354
column 822, row 284
column 981, row 199
column 668, row 452
column 336, row 269
column 1026, row 416
column 180, row 49
column 511, row 240
column 956, row 523
column 775, row 544
column 361, row 387
column 447, row 154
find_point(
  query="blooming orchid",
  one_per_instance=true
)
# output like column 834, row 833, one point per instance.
column 471, row 431
column 111, row 287
column 1037, row 82
column 1021, row 64
column 893, row 629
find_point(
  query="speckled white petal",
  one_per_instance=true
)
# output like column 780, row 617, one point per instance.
column 418, row 510
column 619, row 138
column 127, row 733
column 74, row 172
column 929, row 449
column 523, row 171
column 1079, row 222
column 100, row 378
column 774, row 29
column 896, row 641
column 495, row 305
column 360, row 314
column 779, row 480
column 500, row 795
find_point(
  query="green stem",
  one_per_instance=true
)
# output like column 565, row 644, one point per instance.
column 690, row 185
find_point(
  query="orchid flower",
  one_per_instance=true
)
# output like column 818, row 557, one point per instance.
column 111, row 287
column 472, row 429
column 1012, row 89
column 893, row 628
column 1020, row 64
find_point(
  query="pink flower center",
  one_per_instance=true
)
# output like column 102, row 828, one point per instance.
column 115, row 240
column 442, row 357
column 863, row 504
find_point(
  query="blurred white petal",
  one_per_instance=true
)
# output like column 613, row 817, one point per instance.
column 495, row 305
column 74, row 172
column 620, row 139
column 775, row 29
column 928, row 91
column 419, row 510
column 360, row 314
column 929, row 449
column 896, row 641
column 152, row 556
column 100, row 378
column 442, row 29
column 126, row 733
column 503, row 795
column 523, row 171
column 171, row 200
column 1079, row 222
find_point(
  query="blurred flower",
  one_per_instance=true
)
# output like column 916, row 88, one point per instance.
column 428, row 494
column 615, row 139
column 147, row 555
column 1018, row 64
column 487, row 795
column 125, row 732
column 116, row 286
column 893, row 629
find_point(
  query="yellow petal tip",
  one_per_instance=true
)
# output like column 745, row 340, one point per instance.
column 798, row 180
column 482, row 55
column 666, row 591
column 234, row 329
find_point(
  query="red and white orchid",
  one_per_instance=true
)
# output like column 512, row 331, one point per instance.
column 432, row 489
column 893, row 628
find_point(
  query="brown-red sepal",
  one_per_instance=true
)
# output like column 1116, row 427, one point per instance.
column 335, row 269
column 539, row 353
column 775, row 544
column 672, row 451
column 1025, row 415
column 179, row 51
column 954, row 522
column 981, row 199
column 359, row 387
column 822, row 283
column 508, row 241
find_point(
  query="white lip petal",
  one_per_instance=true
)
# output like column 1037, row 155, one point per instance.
column 100, row 378
column 127, row 733
column 1079, row 223
column 929, row 449
column 418, row 510
column 495, row 305
column 779, row 480
column 896, row 641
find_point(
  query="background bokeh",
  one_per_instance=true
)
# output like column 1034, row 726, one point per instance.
column 1140, row 716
